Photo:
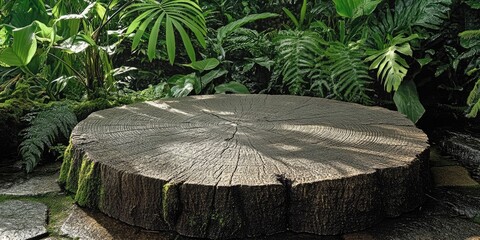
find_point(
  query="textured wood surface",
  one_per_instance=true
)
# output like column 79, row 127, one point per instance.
column 228, row 166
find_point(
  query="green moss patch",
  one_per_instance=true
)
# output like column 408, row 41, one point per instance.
column 89, row 189
column 81, row 177
column 170, row 203
column 67, row 162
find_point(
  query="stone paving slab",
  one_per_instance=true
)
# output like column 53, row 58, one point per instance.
column 22, row 219
column 455, row 202
column 36, row 185
column 421, row 227
column 89, row 225
column 465, row 147
column 456, row 176
column 437, row 159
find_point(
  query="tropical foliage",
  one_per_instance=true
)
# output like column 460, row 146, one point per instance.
column 96, row 54
column 45, row 129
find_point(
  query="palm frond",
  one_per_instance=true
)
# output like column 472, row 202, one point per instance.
column 176, row 14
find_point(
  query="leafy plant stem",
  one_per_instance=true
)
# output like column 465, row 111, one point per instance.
column 79, row 75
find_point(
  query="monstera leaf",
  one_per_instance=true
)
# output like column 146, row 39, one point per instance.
column 391, row 66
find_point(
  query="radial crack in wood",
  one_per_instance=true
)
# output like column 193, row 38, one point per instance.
column 233, row 166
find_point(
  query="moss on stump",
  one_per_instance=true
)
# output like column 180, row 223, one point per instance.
column 247, row 165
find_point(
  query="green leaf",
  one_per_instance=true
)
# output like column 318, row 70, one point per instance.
column 178, row 15
column 355, row 8
column 152, row 41
column 413, row 16
column 204, row 65
column 347, row 72
column 170, row 39
column 185, row 84
column 74, row 44
column 43, row 32
column 407, row 101
column 224, row 31
column 391, row 67
column 186, row 41
column 475, row 4
column 424, row 61
column 303, row 12
column 212, row 75
column 24, row 43
column 296, row 54
column 24, row 12
column 47, row 127
column 473, row 101
column 100, row 10
column 231, row 87
column 291, row 16
column 23, row 48
column 136, row 22
column 139, row 34
column 365, row 8
column 8, row 56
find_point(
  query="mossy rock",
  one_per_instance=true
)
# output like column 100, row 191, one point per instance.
column 83, row 109
column 11, row 111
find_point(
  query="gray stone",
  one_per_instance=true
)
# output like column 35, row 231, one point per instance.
column 446, row 216
column 37, row 185
column 87, row 224
column 22, row 219
column 463, row 202
column 466, row 148
column 424, row 227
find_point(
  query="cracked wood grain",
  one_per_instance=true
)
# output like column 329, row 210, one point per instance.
column 234, row 166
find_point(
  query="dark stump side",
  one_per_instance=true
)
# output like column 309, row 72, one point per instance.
column 229, row 166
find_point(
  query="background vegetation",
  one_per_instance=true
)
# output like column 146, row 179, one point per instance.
column 61, row 60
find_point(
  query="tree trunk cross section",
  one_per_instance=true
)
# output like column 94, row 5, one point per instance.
column 233, row 166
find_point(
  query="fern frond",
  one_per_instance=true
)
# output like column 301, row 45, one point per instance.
column 296, row 54
column 475, row 4
column 429, row 14
column 348, row 72
column 246, row 41
column 470, row 34
column 44, row 130
column 408, row 14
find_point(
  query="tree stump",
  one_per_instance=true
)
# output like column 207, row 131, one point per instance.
column 232, row 166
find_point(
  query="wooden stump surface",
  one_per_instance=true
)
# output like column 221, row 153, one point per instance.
column 228, row 166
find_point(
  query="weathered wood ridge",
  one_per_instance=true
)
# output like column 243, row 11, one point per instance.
column 229, row 166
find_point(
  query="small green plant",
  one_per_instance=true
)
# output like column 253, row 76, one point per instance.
column 45, row 129
column 470, row 40
column 297, row 52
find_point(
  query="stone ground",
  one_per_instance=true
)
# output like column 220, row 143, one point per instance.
column 22, row 219
column 452, row 211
